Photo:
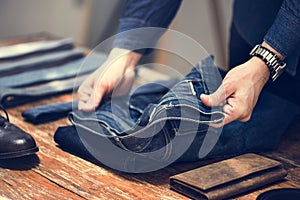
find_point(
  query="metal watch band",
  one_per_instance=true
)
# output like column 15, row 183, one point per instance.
column 273, row 62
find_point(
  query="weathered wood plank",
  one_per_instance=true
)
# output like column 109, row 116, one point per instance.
column 55, row 174
column 86, row 179
column 27, row 184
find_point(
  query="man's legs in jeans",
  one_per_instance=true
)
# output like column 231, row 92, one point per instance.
column 270, row 118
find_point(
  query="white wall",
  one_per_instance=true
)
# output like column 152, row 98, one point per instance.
column 92, row 21
column 61, row 17
column 87, row 21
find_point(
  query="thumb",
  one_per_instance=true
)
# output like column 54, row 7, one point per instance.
column 215, row 98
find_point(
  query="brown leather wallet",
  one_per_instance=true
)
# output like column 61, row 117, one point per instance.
column 228, row 177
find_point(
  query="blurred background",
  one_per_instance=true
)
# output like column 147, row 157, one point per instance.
column 89, row 22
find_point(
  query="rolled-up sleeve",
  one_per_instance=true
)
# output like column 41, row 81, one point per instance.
column 284, row 34
column 142, row 14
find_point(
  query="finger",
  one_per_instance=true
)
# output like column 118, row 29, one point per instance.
column 86, row 107
column 84, row 96
column 95, row 99
column 232, row 109
column 230, row 114
column 215, row 98
column 217, row 125
column 227, row 119
column 89, row 101
column 228, row 108
column 82, row 106
column 245, row 118
column 84, row 91
column 236, row 111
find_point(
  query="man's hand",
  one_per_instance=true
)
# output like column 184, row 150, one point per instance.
column 240, row 89
column 118, row 69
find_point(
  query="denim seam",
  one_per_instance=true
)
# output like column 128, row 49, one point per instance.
column 169, row 145
column 157, row 112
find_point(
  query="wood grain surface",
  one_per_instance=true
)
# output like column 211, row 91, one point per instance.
column 55, row 174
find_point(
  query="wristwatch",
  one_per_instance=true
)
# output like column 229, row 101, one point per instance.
column 273, row 62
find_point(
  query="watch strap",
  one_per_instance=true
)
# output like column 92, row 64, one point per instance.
column 273, row 62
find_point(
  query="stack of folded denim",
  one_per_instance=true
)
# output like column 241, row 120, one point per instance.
column 147, row 130
column 35, row 70
column 150, row 120
column 155, row 117
column 50, row 112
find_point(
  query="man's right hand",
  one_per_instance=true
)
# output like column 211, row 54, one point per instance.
column 117, row 70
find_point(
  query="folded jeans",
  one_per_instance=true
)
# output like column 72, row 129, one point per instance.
column 23, row 49
column 51, row 112
column 70, row 69
column 38, row 62
column 152, row 123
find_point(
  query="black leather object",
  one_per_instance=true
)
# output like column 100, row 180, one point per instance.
column 280, row 194
column 14, row 142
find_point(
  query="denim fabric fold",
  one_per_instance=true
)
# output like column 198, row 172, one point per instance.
column 152, row 122
column 69, row 140
column 38, row 62
column 51, row 112
column 48, row 113
column 10, row 97
column 149, row 122
column 67, row 70
column 259, row 134
column 23, row 49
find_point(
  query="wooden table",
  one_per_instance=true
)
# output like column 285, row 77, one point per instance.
column 55, row 174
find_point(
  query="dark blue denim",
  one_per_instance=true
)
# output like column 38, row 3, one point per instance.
column 24, row 49
column 285, row 86
column 51, row 81
column 48, row 113
column 38, row 62
column 66, row 70
column 51, row 112
column 275, row 21
column 10, row 97
column 151, row 120
column 259, row 134
column 270, row 119
column 133, row 132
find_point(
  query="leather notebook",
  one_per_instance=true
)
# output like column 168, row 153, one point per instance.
column 227, row 178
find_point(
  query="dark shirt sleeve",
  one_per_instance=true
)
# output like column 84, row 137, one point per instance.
column 284, row 34
column 136, row 30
